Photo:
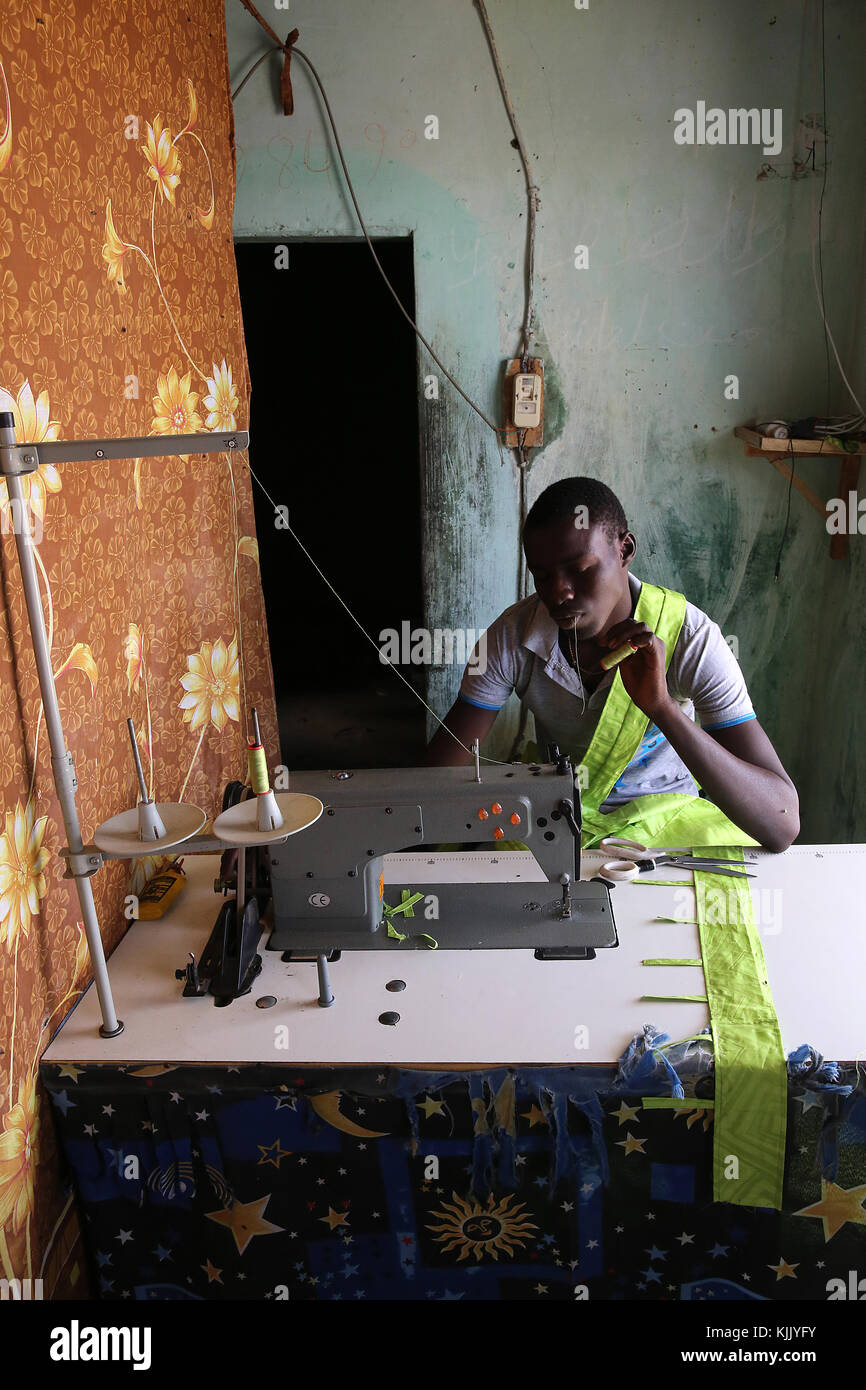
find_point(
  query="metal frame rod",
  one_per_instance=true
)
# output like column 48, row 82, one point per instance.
column 21, row 459
column 62, row 765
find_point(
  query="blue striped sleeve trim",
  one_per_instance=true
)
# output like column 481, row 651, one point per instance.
column 728, row 724
column 476, row 703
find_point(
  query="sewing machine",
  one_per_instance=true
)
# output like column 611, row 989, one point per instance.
column 322, row 890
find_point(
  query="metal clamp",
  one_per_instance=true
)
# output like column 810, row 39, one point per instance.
column 18, row 458
column 84, row 864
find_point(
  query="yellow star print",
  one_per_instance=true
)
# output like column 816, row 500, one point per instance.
column 432, row 1107
column 837, row 1206
column 625, row 1112
column 783, row 1270
column 245, row 1220
column 272, row 1153
column 633, row 1143
column 534, row 1116
column 334, row 1219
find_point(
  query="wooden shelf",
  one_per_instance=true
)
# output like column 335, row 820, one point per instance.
column 776, row 450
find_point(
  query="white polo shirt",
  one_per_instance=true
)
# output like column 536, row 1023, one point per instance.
column 523, row 655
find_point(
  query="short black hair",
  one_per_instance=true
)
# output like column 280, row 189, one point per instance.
column 560, row 501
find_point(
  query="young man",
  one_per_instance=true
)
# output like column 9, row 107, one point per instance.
column 633, row 729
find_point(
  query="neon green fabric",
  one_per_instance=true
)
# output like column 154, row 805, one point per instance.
column 622, row 725
column 670, row 960
column 751, row 1074
column 665, row 816
column 662, row 819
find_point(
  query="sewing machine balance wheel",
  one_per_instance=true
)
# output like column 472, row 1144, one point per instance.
column 238, row 825
column 121, row 834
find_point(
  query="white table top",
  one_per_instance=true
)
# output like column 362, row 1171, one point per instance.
column 474, row 1008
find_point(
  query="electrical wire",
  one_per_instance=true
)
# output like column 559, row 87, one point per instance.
column 819, row 285
column 255, row 67
column 529, row 311
column 778, row 569
column 531, row 188
column 497, row 429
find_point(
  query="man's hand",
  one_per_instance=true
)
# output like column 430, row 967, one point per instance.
column 643, row 674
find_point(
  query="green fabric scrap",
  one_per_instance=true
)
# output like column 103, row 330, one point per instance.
column 751, row 1085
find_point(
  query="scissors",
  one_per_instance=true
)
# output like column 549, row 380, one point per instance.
column 649, row 859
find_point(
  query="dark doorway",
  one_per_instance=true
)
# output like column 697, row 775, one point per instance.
column 334, row 437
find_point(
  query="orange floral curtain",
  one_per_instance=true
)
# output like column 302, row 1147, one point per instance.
column 119, row 316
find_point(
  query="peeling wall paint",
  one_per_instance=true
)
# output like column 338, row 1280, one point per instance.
column 698, row 269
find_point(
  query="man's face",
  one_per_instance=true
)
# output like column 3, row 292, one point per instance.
column 580, row 574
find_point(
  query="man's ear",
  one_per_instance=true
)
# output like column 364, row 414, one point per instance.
column 628, row 547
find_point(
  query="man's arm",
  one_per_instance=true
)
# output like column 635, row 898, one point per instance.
column 468, row 722
column 737, row 767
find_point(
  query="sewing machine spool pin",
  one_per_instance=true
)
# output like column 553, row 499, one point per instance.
column 326, row 994
column 476, row 749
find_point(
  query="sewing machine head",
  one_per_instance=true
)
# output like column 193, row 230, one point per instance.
column 327, row 882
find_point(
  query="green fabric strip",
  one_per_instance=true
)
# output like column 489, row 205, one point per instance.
column 751, row 1082
column 679, row 998
column 670, row 960
column 622, row 724
column 661, row 883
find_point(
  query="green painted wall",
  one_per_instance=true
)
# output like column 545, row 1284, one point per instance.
column 698, row 269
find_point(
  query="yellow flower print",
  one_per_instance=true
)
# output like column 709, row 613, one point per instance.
column 113, row 252
column 212, row 686
column 17, row 1143
column 222, row 400
column 6, row 139
column 248, row 545
column 32, row 425
column 22, row 881
column 81, row 659
column 144, row 869
column 163, row 159
column 193, row 109
column 82, row 953
column 175, row 405
column 133, row 652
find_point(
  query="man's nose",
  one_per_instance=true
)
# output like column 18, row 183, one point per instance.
column 562, row 591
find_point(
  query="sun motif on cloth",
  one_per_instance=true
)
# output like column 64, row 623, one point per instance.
column 20, row 1127
column 482, row 1231
column 221, row 402
column 212, row 686
column 22, row 881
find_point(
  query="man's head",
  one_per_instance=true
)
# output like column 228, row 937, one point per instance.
column 578, row 549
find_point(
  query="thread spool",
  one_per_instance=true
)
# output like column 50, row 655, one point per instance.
column 617, row 655
column 257, row 769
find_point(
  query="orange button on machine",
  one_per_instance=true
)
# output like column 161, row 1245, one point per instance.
column 515, row 819
column 499, row 833
column 482, row 814
column 496, row 809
